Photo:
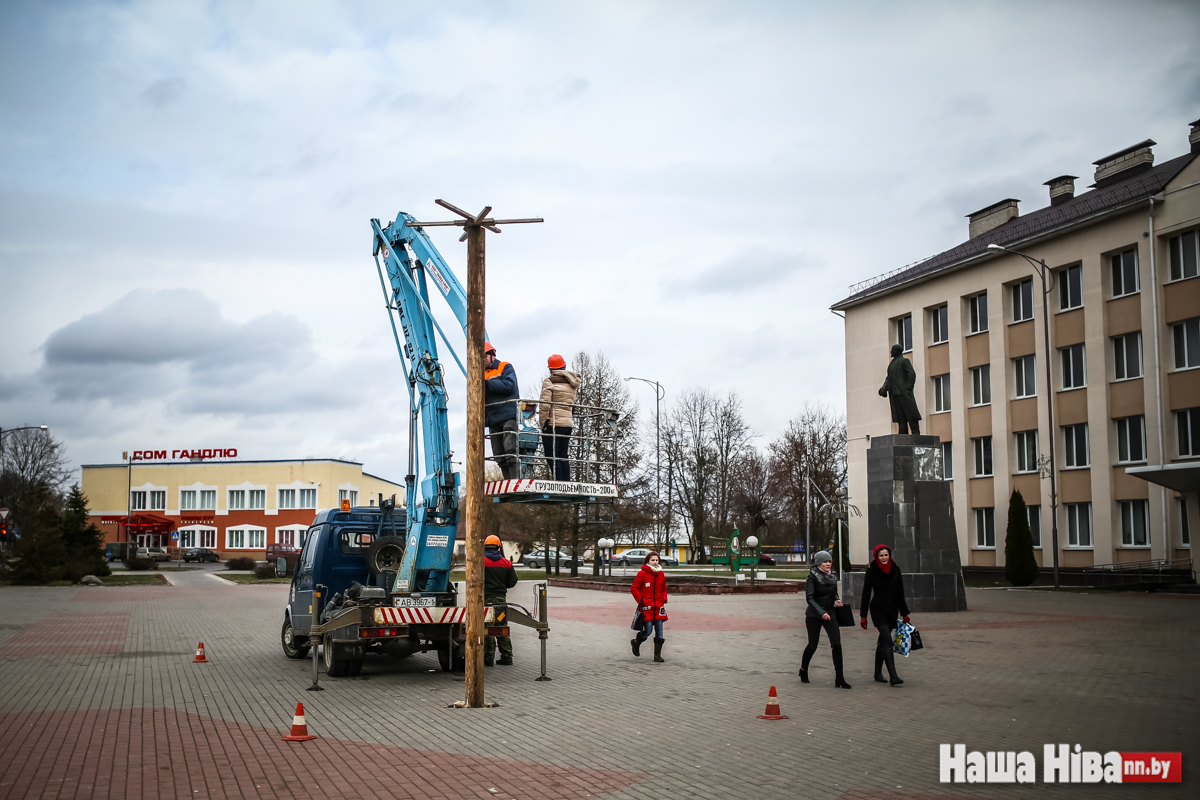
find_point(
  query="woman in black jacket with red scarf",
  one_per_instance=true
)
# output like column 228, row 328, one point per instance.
column 883, row 594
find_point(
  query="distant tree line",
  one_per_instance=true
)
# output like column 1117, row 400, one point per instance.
column 49, row 537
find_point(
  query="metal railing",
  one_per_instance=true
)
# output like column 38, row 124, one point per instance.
column 591, row 447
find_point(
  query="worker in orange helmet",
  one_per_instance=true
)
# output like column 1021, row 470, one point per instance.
column 500, row 398
column 554, row 416
column 498, row 577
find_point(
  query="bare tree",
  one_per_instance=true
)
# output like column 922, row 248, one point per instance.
column 688, row 438
column 28, row 458
column 813, row 444
column 755, row 502
column 731, row 438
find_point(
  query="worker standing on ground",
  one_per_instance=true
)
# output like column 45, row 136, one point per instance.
column 498, row 577
column 500, row 395
column 555, row 418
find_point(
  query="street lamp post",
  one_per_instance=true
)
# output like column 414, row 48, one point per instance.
column 1042, row 269
column 4, row 431
column 659, row 394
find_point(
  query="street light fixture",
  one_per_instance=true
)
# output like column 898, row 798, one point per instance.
column 659, row 394
column 14, row 430
column 1042, row 269
column 607, row 544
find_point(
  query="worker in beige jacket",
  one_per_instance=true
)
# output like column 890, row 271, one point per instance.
column 554, row 416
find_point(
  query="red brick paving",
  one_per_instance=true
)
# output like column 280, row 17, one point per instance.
column 70, row 634
column 121, row 753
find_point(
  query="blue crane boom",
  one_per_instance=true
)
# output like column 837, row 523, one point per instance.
column 411, row 261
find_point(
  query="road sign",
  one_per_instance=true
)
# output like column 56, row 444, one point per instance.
column 3, row 513
column 174, row 536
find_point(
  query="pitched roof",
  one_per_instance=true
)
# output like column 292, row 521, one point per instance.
column 1088, row 206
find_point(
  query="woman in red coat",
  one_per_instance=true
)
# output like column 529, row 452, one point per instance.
column 650, row 590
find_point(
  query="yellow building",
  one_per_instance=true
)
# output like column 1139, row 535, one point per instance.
column 233, row 507
column 1119, row 331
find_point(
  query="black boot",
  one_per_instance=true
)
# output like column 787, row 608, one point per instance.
column 840, row 680
column 808, row 654
column 879, row 665
column 658, row 643
column 636, row 644
column 889, row 658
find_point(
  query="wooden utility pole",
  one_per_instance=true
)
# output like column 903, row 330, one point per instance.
column 475, row 316
column 475, row 226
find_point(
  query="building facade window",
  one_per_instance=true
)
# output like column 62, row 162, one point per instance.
column 904, row 333
column 1070, row 288
column 1127, row 356
column 198, row 537
column 208, row 499
column 1124, row 273
column 981, row 385
column 941, row 393
column 977, row 310
column 1027, row 451
column 285, row 537
column 983, row 456
column 1034, row 514
column 158, row 500
column 1079, row 524
column 137, row 501
column 308, row 498
column 287, row 498
column 237, row 499
column 258, row 499
column 187, row 538
column 1131, row 439
column 1135, row 523
column 1187, row 343
column 985, row 528
column 1074, row 370
column 1022, row 300
column 246, row 538
column 235, row 539
column 1185, row 255
column 1025, row 376
column 348, row 494
column 940, row 324
column 187, row 500
column 1075, row 445
column 1187, row 424
column 948, row 460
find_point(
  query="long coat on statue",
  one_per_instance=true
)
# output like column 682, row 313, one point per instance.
column 898, row 388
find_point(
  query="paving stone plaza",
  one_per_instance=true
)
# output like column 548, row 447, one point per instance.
column 99, row 699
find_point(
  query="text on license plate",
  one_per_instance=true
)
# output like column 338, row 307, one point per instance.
column 415, row 602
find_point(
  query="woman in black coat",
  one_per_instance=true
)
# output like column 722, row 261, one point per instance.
column 883, row 594
column 821, row 593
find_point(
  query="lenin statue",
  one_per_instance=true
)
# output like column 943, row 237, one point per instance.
column 898, row 388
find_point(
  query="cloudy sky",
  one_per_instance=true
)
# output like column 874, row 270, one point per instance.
column 186, row 189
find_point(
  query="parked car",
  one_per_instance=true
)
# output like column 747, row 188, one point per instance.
column 766, row 560
column 153, row 553
column 537, row 559
column 200, row 554
column 284, row 551
column 637, row 557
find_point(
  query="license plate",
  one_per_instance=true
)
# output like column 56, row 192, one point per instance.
column 415, row 602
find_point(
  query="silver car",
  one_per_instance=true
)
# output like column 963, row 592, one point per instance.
column 537, row 559
column 637, row 557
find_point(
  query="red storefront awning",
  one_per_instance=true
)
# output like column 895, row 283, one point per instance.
column 151, row 523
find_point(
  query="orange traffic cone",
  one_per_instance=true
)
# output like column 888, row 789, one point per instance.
column 299, row 728
column 200, row 659
column 772, row 711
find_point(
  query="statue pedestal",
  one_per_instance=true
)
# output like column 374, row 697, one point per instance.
column 909, row 508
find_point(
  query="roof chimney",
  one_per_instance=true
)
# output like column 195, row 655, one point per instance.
column 1124, row 163
column 993, row 216
column 1194, row 136
column 1062, row 188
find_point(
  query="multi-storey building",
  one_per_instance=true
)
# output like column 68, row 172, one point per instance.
column 1122, row 319
column 234, row 507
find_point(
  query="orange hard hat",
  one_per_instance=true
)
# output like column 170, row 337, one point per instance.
column 556, row 362
column 493, row 539
column 488, row 348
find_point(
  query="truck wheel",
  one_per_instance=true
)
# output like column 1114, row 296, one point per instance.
column 336, row 663
column 385, row 555
column 354, row 667
column 459, row 660
column 291, row 648
column 443, row 653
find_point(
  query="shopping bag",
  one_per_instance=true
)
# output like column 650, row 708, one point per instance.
column 845, row 616
column 916, row 640
column 639, row 620
column 902, row 644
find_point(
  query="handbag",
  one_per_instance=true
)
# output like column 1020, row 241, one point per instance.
column 902, row 644
column 916, row 640
column 639, row 620
column 844, row 615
